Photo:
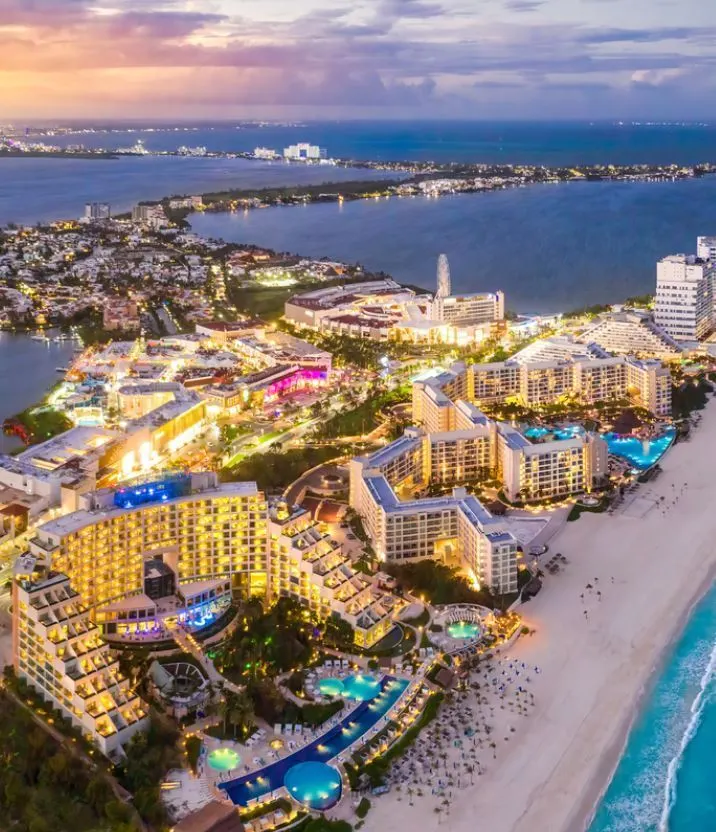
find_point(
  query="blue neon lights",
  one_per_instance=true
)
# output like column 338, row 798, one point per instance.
column 158, row 491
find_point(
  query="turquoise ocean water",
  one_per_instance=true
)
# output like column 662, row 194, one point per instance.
column 664, row 781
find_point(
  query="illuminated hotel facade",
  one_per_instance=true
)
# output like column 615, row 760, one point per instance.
column 647, row 383
column 211, row 537
column 458, row 445
column 59, row 652
column 154, row 555
column 454, row 528
column 307, row 565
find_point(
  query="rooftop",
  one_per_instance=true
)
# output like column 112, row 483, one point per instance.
column 77, row 520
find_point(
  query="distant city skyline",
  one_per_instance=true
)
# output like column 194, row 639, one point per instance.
column 184, row 59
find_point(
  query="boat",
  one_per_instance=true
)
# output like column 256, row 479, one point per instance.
column 62, row 369
column 39, row 338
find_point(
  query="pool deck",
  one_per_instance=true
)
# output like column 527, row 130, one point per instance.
column 266, row 767
column 325, row 748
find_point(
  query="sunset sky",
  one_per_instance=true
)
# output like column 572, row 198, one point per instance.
column 357, row 58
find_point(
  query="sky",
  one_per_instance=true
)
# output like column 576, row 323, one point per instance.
column 473, row 59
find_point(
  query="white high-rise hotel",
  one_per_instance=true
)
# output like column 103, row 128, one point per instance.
column 685, row 304
column 473, row 309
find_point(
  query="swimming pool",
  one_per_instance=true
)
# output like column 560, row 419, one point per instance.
column 641, row 453
column 325, row 748
column 361, row 687
column 316, row 785
column 463, row 630
column 539, row 432
column 223, row 759
column 330, row 686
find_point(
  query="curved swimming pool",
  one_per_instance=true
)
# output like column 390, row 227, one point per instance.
column 330, row 686
column 316, row 785
column 353, row 726
column 641, row 453
column 361, row 687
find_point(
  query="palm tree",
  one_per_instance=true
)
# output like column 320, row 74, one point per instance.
column 237, row 710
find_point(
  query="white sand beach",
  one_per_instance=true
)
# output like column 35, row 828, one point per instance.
column 596, row 649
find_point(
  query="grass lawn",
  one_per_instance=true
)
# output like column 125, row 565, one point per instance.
column 363, row 418
column 278, row 469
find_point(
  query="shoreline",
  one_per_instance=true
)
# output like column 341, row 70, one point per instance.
column 241, row 200
column 585, row 813
column 604, row 627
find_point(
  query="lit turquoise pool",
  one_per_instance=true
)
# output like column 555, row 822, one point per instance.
column 360, row 719
column 361, row 687
column 539, row 432
column 223, row 759
column 316, row 785
column 330, row 687
column 463, row 630
column 641, row 453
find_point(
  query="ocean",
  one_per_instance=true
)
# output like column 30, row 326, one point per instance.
column 664, row 781
column 537, row 143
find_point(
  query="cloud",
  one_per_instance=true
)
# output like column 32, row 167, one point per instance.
column 523, row 5
column 382, row 54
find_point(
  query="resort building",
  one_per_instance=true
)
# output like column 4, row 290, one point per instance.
column 304, row 150
column 383, row 310
column 470, row 309
column 646, row 383
column 136, row 400
column 59, row 652
column 473, row 309
column 53, row 474
column 632, row 333
column 161, row 432
column 556, row 468
column 157, row 554
column 559, row 348
column 307, row 565
column 455, row 528
column 706, row 248
column 684, row 304
column 212, row 538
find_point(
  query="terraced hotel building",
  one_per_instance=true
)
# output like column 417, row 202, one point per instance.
column 169, row 552
column 58, row 650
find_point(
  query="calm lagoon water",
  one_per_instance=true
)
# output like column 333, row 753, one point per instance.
column 539, row 143
column 548, row 247
column 39, row 190
column 27, row 371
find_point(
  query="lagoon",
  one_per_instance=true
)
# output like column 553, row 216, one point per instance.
column 548, row 247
